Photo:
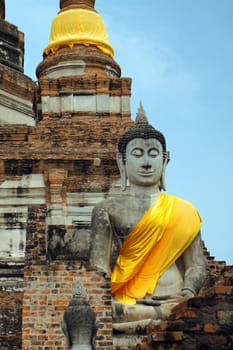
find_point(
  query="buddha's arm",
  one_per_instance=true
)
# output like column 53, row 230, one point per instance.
column 101, row 240
column 195, row 267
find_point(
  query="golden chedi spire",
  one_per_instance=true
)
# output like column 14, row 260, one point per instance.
column 78, row 23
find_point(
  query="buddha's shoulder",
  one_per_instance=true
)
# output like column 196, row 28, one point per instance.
column 116, row 203
column 184, row 202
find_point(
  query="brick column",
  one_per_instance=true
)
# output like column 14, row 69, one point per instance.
column 56, row 181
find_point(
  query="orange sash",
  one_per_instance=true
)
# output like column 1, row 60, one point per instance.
column 157, row 241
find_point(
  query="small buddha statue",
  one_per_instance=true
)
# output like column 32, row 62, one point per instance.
column 79, row 323
column 149, row 242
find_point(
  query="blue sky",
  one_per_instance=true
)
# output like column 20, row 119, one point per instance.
column 179, row 54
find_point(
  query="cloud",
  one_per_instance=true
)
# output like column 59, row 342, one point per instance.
column 158, row 72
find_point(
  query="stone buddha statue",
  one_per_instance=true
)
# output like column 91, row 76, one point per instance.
column 149, row 242
column 79, row 322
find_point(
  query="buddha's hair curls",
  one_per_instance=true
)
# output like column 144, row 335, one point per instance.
column 141, row 129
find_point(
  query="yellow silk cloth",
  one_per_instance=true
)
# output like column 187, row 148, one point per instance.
column 78, row 26
column 157, row 241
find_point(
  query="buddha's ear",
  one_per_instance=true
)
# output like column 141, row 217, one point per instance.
column 166, row 159
column 122, row 169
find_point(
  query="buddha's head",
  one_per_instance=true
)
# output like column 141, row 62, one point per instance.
column 142, row 156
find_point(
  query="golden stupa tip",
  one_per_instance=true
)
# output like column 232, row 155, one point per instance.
column 78, row 26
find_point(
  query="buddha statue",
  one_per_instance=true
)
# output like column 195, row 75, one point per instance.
column 149, row 242
column 79, row 322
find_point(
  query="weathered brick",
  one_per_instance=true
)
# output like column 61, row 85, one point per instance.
column 210, row 328
column 166, row 336
column 225, row 317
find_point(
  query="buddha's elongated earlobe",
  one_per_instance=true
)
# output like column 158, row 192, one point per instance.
column 162, row 180
column 121, row 166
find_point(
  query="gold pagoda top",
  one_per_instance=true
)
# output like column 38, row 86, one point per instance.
column 78, row 23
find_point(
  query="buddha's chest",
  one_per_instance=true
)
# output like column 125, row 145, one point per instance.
column 126, row 219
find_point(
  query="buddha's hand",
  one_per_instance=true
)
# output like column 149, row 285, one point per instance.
column 149, row 302
column 174, row 298
column 186, row 292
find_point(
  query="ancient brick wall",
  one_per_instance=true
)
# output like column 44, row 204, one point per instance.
column 64, row 164
column 48, row 286
column 203, row 322
column 48, row 292
column 11, row 319
column 11, row 46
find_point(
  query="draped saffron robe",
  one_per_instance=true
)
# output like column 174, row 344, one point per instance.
column 156, row 242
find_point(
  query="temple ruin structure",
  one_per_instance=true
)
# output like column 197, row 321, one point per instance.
column 58, row 139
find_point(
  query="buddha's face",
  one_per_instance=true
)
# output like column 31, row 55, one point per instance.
column 144, row 162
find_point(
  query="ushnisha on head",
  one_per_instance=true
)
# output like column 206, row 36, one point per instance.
column 148, row 148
